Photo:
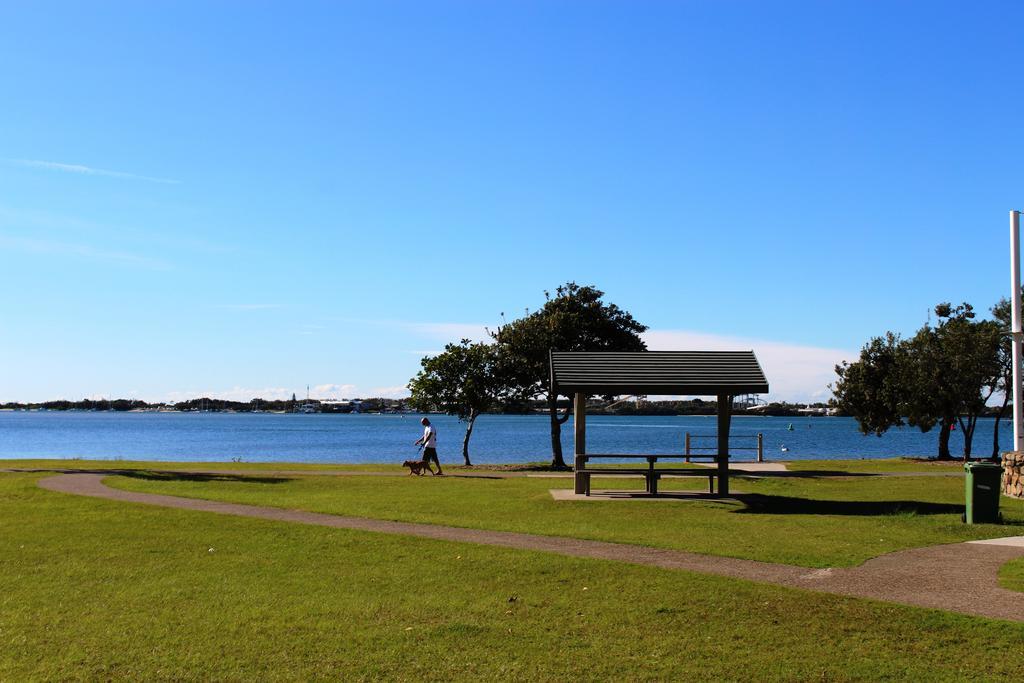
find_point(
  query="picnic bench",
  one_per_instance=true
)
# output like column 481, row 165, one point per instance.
column 585, row 470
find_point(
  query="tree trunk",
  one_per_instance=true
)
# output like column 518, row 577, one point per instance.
column 557, row 461
column 967, row 428
column 944, row 425
column 465, row 439
column 995, row 431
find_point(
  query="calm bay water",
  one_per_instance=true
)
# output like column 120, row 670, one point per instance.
column 388, row 438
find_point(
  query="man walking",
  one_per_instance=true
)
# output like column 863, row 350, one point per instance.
column 429, row 441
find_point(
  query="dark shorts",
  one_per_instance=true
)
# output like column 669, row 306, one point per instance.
column 431, row 454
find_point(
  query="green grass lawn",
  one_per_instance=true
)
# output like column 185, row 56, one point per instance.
column 811, row 521
column 96, row 589
column 1012, row 575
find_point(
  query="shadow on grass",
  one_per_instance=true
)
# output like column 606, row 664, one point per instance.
column 167, row 475
column 800, row 474
column 786, row 505
column 460, row 475
column 512, row 467
column 170, row 475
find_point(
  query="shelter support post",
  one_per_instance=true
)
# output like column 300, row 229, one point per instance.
column 580, row 434
column 724, row 420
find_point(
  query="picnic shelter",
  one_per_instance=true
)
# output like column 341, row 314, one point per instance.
column 723, row 374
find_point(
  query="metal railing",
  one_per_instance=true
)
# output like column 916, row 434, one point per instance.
column 700, row 451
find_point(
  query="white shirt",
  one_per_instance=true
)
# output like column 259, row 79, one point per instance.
column 429, row 437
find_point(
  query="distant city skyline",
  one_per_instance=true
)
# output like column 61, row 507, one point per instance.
column 323, row 193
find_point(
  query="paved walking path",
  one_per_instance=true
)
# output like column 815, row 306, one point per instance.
column 959, row 577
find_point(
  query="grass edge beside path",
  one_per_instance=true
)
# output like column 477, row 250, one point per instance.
column 838, row 526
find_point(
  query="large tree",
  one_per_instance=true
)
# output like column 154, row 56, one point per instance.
column 464, row 380
column 930, row 396
column 576, row 318
column 970, row 350
column 942, row 376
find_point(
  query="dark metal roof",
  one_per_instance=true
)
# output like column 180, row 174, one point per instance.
column 701, row 373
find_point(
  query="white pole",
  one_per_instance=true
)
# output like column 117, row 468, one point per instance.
column 1016, row 332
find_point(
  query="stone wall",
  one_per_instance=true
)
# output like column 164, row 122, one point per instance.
column 1013, row 474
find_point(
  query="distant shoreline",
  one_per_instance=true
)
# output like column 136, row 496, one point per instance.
column 655, row 410
column 402, row 406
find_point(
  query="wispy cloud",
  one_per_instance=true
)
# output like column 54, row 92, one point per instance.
column 442, row 331
column 89, row 170
column 451, row 331
column 795, row 372
column 399, row 391
column 321, row 391
column 45, row 220
column 249, row 307
column 86, row 251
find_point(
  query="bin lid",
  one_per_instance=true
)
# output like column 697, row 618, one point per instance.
column 982, row 466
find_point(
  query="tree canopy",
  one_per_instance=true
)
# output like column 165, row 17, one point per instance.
column 576, row 318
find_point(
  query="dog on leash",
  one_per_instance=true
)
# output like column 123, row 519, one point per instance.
column 417, row 467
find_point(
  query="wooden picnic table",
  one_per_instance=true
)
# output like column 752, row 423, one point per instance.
column 585, row 470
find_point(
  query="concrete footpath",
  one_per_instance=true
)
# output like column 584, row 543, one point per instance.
column 960, row 577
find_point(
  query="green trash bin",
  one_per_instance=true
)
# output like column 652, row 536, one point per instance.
column 983, row 481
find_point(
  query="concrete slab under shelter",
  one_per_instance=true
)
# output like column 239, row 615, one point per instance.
column 606, row 495
column 747, row 466
column 752, row 467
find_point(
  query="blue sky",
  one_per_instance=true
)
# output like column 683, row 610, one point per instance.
column 245, row 198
